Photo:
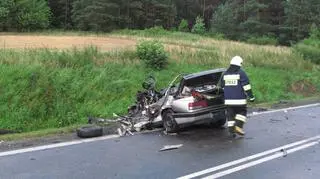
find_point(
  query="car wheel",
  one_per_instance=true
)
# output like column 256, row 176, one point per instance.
column 169, row 123
column 220, row 122
column 89, row 131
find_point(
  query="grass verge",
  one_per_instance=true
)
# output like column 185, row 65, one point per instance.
column 48, row 88
column 40, row 133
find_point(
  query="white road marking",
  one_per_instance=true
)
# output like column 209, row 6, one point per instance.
column 262, row 160
column 64, row 144
column 51, row 146
column 246, row 159
column 284, row 109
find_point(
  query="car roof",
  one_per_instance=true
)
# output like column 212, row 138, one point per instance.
column 203, row 73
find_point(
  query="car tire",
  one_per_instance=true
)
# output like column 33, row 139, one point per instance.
column 169, row 123
column 220, row 123
column 89, row 131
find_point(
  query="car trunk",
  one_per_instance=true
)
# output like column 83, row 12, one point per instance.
column 203, row 83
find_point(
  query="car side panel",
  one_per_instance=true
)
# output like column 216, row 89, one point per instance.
column 182, row 105
column 211, row 114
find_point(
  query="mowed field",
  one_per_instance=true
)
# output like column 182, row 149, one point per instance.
column 63, row 42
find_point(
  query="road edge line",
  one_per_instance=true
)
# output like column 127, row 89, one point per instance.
column 259, row 161
column 284, row 109
column 248, row 158
column 51, row 146
column 63, row 144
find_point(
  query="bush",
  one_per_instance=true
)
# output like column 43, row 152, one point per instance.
column 314, row 32
column 6, row 6
column 156, row 30
column 152, row 54
column 309, row 48
column 199, row 27
column 183, row 26
column 308, row 52
column 215, row 35
column 264, row 40
column 33, row 15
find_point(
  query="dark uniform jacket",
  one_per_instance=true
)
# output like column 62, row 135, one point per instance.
column 236, row 86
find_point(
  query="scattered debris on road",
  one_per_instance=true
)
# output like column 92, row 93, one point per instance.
column 275, row 120
column 170, row 147
column 284, row 151
column 172, row 134
column 140, row 114
column 312, row 116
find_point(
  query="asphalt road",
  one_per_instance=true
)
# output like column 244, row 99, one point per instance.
column 209, row 151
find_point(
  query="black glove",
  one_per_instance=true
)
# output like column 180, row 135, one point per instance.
column 250, row 95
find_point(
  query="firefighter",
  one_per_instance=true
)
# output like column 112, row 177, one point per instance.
column 237, row 90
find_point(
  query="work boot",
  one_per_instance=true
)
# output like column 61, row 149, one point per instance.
column 239, row 131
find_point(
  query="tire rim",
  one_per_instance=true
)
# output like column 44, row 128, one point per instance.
column 169, row 122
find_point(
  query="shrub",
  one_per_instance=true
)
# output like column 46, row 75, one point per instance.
column 309, row 48
column 183, row 26
column 264, row 40
column 308, row 52
column 199, row 27
column 215, row 35
column 156, row 30
column 152, row 54
column 31, row 16
column 314, row 32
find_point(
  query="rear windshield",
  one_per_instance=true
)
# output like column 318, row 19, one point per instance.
column 210, row 79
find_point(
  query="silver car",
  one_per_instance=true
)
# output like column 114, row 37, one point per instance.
column 196, row 98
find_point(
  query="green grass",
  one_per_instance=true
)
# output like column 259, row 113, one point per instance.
column 44, row 89
column 40, row 133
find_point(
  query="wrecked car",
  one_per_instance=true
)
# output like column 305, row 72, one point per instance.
column 189, row 99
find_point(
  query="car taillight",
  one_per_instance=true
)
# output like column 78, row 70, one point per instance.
column 198, row 105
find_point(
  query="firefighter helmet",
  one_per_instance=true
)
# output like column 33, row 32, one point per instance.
column 236, row 60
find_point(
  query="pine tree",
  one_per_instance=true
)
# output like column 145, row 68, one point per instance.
column 301, row 14
column 32, row 14
column 6, row 8
column 96, row 15
column 225, row 21
column 252, row 21
column 130, row 13
column 61, row 13
column 242, row 19
column 188, row 10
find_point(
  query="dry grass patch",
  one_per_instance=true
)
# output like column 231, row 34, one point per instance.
column 63, row 42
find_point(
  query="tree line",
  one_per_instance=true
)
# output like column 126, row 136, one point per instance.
column 286, row 20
